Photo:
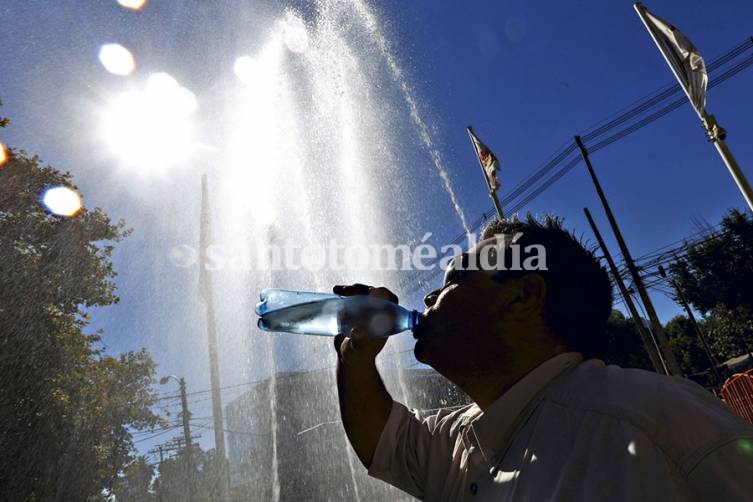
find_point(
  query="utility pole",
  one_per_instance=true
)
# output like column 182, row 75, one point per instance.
column 649, row 343
column 186, row 416
column 694, row 324
column 207, row 296
column 669, row 355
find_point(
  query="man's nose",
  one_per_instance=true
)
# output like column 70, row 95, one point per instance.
column 431, row 298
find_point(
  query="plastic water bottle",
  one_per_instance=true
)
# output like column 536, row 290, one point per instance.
column 327, row 314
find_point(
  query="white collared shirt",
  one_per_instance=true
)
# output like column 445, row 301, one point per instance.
column 573, row 430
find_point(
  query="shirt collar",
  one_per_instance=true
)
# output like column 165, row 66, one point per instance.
column 491, row 429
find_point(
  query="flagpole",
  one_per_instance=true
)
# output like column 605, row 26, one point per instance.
column 716, row 135
column 715, row 132
column 492, row 193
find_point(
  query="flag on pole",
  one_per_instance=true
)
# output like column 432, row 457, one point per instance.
column 681, row 55
column 487, row 159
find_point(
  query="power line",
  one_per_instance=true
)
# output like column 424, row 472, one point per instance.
column 165, row 431
column 245, row 433
column 533, row 183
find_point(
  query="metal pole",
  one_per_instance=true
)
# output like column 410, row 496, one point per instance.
column 694, row 324
column 734, row 168
column 492, row 193
column 669, row 355
column 649, row 343
column 715, row 133
column 207, row 296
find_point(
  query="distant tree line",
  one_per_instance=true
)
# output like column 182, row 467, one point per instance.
column 716, row 276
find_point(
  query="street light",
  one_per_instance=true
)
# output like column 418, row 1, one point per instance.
column 186, row 428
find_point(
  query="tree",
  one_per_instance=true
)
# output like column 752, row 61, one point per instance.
column 716, row 276
column 66, row 406
column 719, row 270
column 177, row 477
column 3, row 120
column 730, row 331
column 687, row 347
column 136, row 483
column 624, row 347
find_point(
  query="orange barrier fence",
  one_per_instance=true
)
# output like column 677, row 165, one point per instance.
column 737, row 391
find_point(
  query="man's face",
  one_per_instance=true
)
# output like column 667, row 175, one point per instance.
column 463, row 328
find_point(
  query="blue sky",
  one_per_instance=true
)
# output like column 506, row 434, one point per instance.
column 527, row 75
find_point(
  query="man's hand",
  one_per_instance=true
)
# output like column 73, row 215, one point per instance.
column 365, row 404
column 358, row 346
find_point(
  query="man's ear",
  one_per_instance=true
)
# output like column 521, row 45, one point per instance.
column 530, row 294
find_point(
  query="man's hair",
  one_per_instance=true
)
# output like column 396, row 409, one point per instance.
column 578, row 299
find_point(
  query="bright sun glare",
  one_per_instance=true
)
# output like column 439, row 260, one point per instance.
column 151, row 127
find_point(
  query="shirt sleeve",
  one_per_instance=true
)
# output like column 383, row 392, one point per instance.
column 405, row 449
column 726, row 473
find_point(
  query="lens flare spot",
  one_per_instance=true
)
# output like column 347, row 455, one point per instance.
column 62, row 201
column 745, row 445
column 183, row 256
column 4, row 155
column 294, row 34
column 245, row 69
column 133, row 4
column 116, row 59
column 515, row 29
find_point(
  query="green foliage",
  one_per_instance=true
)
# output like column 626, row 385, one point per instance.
column 136, row 482
column 687, row 347
column 4, row 121
column 624, row 346
column 729, row 331
column 716, row 277
column 719, row 270
column 203, row 475
column 65, row 405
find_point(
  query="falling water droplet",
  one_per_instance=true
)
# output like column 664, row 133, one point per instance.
column 245, row 69
column 295, row 35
